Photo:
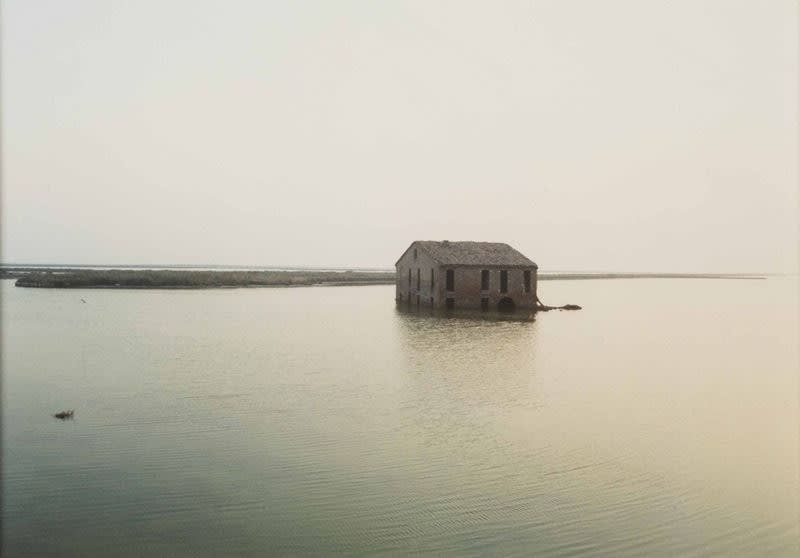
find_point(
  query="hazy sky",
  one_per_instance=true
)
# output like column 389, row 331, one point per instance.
column 653, row 135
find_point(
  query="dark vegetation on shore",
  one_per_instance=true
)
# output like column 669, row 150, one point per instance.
column 74, row 278
column 189, row 279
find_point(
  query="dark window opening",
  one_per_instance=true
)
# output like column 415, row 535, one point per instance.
column 451, row 280
column 527, row 276
column 504, row 281
column 450, row 303
column 484, row 304
column 431, row 279
column 417, row 278
column 431, row 302
column 415, row 253
column 409, row 279
column 417, row 301
column 484, row 279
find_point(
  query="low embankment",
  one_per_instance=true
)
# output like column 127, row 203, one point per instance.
column 191, row 279
column 568, row 276
column 75, row 278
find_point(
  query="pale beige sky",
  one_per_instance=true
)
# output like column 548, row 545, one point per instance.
column 656, row 135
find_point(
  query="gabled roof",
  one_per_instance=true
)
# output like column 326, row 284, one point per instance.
column 467, row 253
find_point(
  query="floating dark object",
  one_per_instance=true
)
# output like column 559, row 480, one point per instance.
column 64, row 415
column 83, row 301
column 544, row 308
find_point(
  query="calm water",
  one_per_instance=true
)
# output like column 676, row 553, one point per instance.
column 660, row 420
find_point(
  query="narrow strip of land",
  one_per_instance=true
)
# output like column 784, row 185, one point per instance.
column 187, row 279
column 76, row 278
column 568, row 276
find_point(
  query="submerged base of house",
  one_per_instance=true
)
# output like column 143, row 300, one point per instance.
column 502, row 304
column 518, row 314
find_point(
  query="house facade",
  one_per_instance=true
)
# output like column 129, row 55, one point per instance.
column 487, row 276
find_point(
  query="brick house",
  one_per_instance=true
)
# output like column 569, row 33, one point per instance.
column 465, row 275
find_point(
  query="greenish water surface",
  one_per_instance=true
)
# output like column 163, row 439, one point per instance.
column 662, row 419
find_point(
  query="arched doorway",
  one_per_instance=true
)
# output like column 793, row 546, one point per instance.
column 506, row 304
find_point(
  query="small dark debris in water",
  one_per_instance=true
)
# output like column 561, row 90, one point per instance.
column 544, row 308
column 64, row 415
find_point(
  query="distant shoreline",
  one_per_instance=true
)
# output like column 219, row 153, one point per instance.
column 82, row 278
column 62, row 278
column 634, row 275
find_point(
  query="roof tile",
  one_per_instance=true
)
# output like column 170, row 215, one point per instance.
column 474, row 253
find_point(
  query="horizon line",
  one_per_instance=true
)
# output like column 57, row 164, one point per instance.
column 360, row 268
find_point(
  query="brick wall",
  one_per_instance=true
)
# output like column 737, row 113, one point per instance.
column 467, row 294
